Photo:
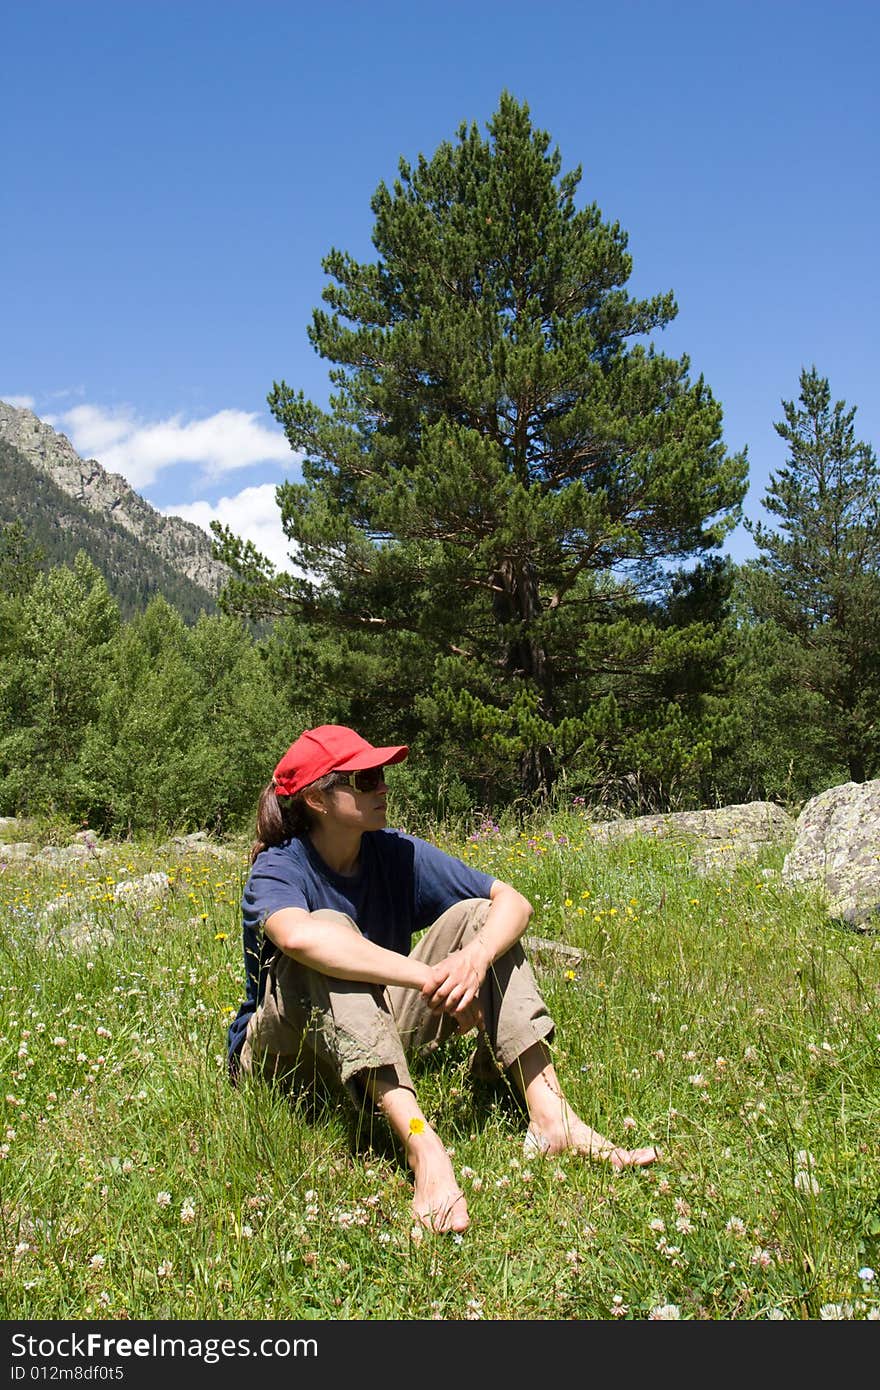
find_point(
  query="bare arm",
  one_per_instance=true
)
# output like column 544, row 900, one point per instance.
column 334, row 949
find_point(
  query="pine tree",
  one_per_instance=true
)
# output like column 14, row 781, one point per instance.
column 505, row 471
column 818, row 576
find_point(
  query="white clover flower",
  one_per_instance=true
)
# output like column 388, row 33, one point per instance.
column 830, row 1312
column 165, row 1269
column 736, row 1226
column 188, row 1212
column 776, row 1315
column 805, row 1182
column 163, row 1199
column 665, row 1312
column 867, row 1274
column 97, row 1262
column 805, row 1159
column 658, row 1224
column 59, row 1042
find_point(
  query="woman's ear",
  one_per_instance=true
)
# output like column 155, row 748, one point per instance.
column 316, row 801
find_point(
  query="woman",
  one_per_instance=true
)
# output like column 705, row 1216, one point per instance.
column 335, row 991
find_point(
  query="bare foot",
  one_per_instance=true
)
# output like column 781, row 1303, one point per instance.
column 576, row 1137
column 438, row 1202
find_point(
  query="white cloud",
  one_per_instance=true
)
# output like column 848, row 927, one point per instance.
column 252, row 514
column 19, row 402
column 141, row 449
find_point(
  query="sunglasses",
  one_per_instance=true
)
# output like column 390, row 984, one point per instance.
column 367, row 781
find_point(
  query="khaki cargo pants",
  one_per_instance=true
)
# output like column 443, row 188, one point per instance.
column 311, row 1028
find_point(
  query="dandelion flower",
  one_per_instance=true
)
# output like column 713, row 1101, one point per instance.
column 416, row 1125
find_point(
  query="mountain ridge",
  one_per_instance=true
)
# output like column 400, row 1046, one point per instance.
column 179, row 545
column 68, row 503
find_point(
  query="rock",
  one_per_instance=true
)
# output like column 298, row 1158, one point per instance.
column 181, row 544
column 19, row 849
column 199, row 842
column 149, row 888
column 540, row 946
column 715, row 839
column 837, row 847
column 70, row 854
column 66, row 923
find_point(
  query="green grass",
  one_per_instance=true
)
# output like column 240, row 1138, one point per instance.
column 723, row 1016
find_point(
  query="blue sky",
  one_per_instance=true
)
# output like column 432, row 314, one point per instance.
column 174, row 171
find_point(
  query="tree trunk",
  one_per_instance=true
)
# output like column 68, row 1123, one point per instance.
column 517, row 600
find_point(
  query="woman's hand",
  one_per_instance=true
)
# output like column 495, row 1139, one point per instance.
column 453, row 988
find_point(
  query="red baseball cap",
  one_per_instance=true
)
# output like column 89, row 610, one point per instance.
column 329, row 748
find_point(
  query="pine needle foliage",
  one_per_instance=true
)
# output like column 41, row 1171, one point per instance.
column 507, row 472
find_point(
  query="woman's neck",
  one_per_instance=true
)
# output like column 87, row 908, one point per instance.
column 340, row 852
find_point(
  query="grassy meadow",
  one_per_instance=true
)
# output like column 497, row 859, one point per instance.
column 721, row 1018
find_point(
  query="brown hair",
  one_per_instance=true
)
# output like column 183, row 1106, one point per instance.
column 281, row 818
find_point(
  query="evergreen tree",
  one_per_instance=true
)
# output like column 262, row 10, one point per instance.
column 817, row 579
column 505, row 470
column 188, row 728
column 50, row 688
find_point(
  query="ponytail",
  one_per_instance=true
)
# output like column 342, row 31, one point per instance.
column 282, row 818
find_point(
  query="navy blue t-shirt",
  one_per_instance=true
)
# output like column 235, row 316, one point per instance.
column 402, row 885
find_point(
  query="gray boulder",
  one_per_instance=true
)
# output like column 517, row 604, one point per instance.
column 837, row 847
column 715, row 839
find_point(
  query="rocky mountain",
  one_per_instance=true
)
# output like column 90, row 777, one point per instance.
column 66, row 502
